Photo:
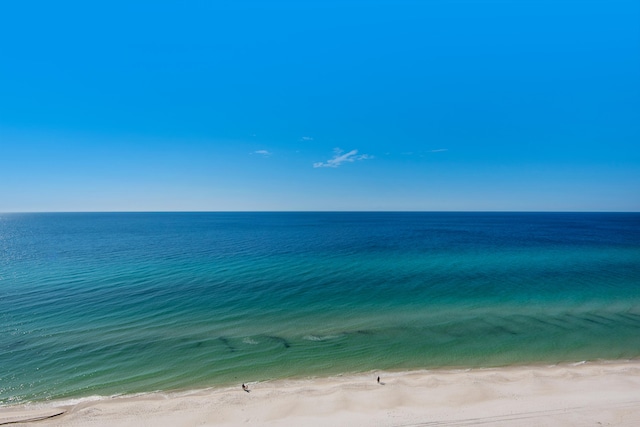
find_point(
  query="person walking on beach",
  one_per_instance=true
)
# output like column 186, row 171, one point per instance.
column 378, row 380
column 245, row 388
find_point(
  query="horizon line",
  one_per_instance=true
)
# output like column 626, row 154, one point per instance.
column 319, row 211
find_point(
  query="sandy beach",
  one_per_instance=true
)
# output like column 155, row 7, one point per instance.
column 589, row 394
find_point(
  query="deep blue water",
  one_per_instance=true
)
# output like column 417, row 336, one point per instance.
column 103, row 304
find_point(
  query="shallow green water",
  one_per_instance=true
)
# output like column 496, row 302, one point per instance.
column 104, row 304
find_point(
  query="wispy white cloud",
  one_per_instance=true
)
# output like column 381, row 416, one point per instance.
column 306, row 138
column 265, row 153
column 439, row 150
column 340, row 157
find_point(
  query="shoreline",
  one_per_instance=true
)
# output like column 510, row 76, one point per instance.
column 564, row 394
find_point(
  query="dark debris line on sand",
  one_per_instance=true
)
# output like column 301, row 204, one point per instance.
column 30, row 420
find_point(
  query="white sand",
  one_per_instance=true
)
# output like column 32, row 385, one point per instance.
column 590, row 394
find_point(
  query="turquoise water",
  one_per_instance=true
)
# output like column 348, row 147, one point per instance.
column 117, row 303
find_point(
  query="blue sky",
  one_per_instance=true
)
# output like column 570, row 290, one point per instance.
column 320, row 105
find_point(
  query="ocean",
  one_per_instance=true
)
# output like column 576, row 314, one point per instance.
column 104, row 304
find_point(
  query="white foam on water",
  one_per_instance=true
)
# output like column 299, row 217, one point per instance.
column 319, row 338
